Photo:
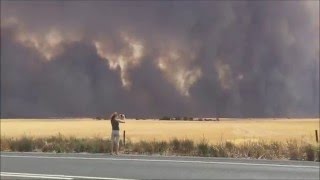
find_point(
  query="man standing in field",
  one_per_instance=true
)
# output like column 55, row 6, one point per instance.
column 115, row 134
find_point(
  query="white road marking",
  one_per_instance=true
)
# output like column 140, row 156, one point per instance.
column 51, row 176
column 25, row 175
column 161, row 160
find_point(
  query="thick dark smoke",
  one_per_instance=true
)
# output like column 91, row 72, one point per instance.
column 150, row 59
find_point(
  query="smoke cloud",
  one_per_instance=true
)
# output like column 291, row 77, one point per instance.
column 150, row 59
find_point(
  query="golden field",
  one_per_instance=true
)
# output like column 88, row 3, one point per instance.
column 236, row 130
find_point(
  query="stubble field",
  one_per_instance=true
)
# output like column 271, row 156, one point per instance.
column 235, row 130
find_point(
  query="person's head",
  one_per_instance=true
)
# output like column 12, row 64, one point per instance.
column 114, row 114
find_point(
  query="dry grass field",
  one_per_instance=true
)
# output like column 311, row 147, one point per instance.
column 235, row 130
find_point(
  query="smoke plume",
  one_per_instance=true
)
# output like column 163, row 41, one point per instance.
column 150, row 59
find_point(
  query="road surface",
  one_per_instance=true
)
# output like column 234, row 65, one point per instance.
column 103, row 166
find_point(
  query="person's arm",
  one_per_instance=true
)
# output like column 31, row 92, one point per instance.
column 120, row 121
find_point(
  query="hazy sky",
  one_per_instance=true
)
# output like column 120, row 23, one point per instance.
column 150, row 59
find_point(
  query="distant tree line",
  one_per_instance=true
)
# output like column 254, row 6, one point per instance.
column 101, row 118
column 185, row 118
column 178, row 118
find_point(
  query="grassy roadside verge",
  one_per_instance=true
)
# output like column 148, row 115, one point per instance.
column 291, row 149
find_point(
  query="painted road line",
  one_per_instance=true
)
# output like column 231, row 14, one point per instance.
column 51, row 176
column 25, row 175
column 160, row 160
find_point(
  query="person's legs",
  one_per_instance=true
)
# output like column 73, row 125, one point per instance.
column 117, row 144
column 112, row 142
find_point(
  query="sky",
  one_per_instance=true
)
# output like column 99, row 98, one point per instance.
column 159, row 58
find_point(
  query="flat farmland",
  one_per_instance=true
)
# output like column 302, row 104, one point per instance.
column 236, row 130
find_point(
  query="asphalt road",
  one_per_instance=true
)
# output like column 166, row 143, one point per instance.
column 103, row 166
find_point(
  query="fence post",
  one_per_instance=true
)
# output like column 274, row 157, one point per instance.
column 316, row 131
column 124, row 138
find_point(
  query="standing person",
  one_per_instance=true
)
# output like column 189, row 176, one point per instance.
column 115, row 134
